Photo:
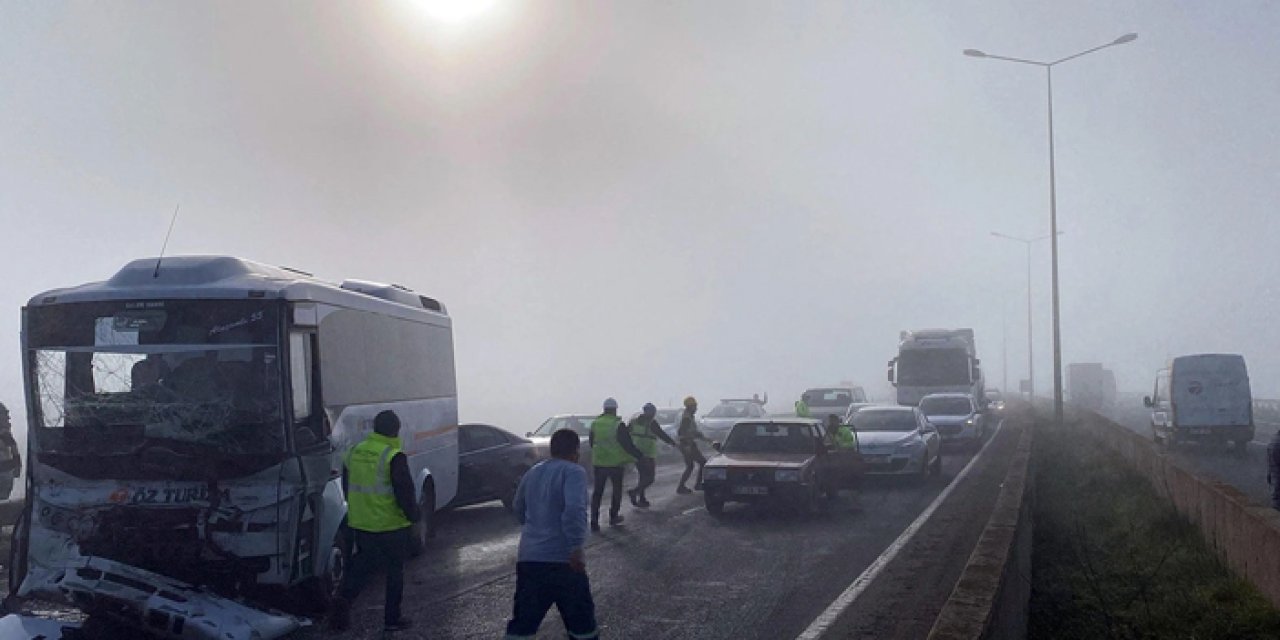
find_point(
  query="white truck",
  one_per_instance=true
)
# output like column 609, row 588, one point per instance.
column 936, row 361
column 1091, row 386
column 188, row 422
column 1203, row 398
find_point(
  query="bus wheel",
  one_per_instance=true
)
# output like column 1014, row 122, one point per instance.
column 425, row 528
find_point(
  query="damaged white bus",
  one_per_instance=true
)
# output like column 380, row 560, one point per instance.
column 188, row 420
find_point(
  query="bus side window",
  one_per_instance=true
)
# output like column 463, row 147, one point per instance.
column 307, row 422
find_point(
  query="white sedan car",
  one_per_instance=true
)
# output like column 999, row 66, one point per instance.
column 897, row 440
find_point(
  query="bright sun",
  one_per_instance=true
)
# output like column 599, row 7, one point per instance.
column 454, row 12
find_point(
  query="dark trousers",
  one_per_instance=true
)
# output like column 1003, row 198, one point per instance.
column 647, row 468
column 542, row 584
column 612, row 475
column 692, row 455
column 385, row 551
column 1273, row 470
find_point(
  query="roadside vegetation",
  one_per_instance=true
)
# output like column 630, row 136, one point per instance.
column 1114, row 560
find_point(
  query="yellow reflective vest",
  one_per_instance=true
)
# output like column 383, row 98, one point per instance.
column 371, row 501
column 606, row 451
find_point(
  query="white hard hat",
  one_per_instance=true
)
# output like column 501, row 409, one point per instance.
column 610, row 403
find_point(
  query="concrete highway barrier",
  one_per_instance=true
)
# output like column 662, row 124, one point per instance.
column 1246, row 535
column 990, row 600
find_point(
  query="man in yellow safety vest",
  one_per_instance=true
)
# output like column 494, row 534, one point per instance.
column 645, row 433
column 611, row 451
column 381, row 508
column 802, row 406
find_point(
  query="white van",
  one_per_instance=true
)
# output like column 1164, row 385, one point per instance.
column 1204, row 397
column 188, row 421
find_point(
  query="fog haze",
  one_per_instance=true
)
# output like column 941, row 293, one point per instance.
column 648, row 200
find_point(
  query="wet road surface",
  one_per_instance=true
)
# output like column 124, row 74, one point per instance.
column 674, row 571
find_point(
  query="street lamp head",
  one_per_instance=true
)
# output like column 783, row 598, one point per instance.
column 974, row 53
column 1126, row 38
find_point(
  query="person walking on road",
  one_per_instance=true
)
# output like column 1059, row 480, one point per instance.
column 381, row 508
column 645, row 433
column 551, row 568
column 1273, row 469
column 611, row 451
column 10, row 456
column 689, row 436
column 840, row 435
column 802, row 406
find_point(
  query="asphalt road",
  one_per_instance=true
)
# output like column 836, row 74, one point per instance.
column 674, row 571
column 1247, row 472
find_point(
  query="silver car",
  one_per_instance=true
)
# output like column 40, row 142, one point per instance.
column 854, row 409
column 717, row 424
column 579, row 422
column 957, row 417
column 897, row 440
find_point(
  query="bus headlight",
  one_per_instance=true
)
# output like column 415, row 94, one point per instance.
column 787, row 475
column 719, row 474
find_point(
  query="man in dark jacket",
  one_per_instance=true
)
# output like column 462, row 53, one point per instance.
column 645, row 434
column 381, row 509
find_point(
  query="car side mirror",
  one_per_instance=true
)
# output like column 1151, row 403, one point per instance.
column 1146, row 402
column 717, row 446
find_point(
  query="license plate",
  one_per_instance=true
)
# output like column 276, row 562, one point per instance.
column 1201, row 432
column 875, row 459
column 751, row 491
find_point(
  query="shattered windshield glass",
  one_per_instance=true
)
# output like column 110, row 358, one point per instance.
column 192, row 376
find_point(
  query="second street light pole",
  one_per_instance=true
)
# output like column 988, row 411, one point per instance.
column 1031, row 361
column 1053, row 202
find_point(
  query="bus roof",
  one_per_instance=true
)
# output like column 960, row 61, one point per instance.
column 226, row 277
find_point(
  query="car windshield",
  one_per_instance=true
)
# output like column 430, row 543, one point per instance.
column 873, row 420
column 195, row 376
column 933, row 406
column 933, row 367
column 580, row 424
column 730, row 410
column 828, row 397
column 770, row 438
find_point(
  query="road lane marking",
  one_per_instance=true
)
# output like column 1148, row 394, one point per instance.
column 823, row 622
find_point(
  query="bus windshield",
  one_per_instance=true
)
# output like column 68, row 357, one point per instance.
column 197, row 377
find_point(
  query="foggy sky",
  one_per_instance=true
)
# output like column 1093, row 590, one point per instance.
column 648, row 200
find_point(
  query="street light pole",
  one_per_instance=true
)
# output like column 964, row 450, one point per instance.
column 1053, row 202
column 1031, row 362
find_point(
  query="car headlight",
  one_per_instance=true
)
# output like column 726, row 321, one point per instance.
column 787, row 475
column 715, row 473
column 969, row 422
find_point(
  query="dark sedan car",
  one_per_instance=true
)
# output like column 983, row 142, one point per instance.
column 781, row 461
column 491, row 462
